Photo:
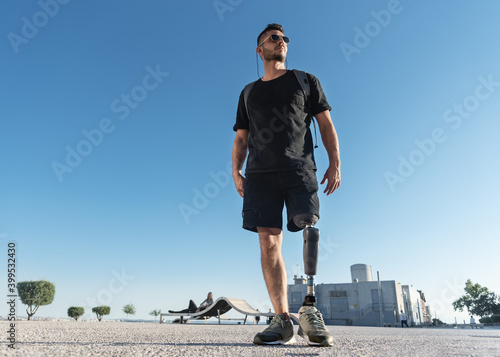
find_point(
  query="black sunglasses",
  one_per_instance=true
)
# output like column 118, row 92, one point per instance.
column 275, row 38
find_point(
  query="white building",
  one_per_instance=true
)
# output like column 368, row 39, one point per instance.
column 363, row 302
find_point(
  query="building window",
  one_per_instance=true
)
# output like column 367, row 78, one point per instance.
column 338, row 293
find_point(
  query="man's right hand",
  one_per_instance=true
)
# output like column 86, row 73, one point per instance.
column 239, row 182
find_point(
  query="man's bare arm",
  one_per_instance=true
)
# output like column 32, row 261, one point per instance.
column 239, row 155
column 331, row 143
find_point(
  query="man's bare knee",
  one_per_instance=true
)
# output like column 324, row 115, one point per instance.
column 270, row 243
column 266, row 231
column 269, row 236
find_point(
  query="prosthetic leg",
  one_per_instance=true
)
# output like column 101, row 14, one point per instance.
column 311, row 325
column 311, row 242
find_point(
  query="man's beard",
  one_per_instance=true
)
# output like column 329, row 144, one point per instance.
column 272, row 56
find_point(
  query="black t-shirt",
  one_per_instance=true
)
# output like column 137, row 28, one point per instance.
column 279, row 135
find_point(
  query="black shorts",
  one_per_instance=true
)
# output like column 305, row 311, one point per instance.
column 266, row 193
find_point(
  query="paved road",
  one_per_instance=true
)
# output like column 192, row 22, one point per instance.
column 43, row 338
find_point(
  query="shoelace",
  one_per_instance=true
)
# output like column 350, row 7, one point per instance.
column 315, row 319
column 277, row 321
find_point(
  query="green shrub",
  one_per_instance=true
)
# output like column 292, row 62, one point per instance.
column 100, row 311
column 495, row 318
column 75, row 312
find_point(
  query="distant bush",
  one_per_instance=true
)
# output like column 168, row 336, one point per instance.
column 75, row 312
column 495, row 318
column 439, row 322
column 100, row 311
column 485, row 320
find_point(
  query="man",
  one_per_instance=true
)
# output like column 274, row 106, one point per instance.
column 273, row 125
column 269, row 318
column 404, row 319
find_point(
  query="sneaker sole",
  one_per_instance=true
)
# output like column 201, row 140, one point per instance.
column 325, row 343
column 279, row 342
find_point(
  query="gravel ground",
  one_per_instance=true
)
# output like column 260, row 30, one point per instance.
column 65, row 338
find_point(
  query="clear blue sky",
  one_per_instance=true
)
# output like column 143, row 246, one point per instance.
column 415, row 91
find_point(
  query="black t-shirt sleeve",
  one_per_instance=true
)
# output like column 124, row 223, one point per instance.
column 241, row 115
column 318, row 101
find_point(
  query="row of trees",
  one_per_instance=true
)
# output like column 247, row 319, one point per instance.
column 478, row 301
column 129, row 309
column 39, row 293
column 77, row 311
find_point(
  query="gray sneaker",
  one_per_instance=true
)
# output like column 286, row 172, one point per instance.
column 279, row 332
column 312, row 327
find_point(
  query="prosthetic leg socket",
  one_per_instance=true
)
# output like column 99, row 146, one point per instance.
column 311, row 243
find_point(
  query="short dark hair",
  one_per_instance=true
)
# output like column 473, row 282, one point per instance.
column 268, row 28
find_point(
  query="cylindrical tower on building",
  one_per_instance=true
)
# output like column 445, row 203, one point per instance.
column 361, row 272
column 299, row 281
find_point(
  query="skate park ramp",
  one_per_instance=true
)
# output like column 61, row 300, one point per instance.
column 221, row 306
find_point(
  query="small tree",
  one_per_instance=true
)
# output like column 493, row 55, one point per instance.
column 100, row 311
column 437, row 322
column 493, row 319
column 155, row 313
column 75, row 312
column 35, row 294
column 478, row 300
column 129, row 309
